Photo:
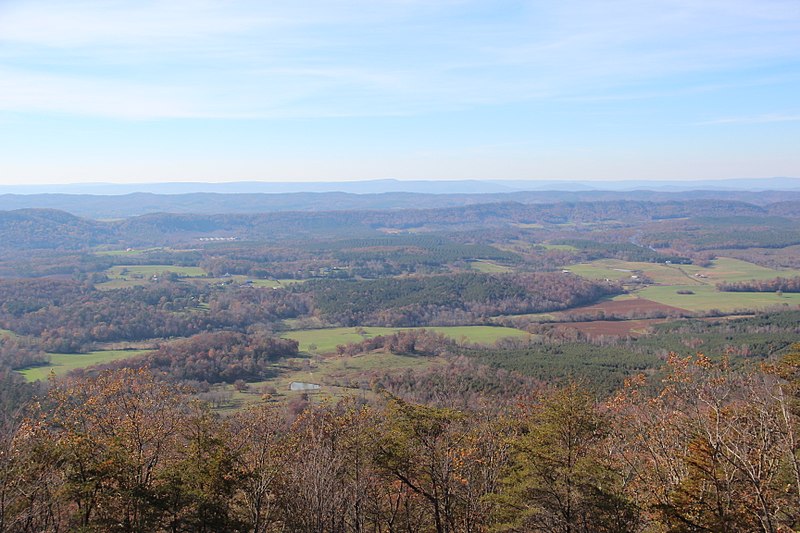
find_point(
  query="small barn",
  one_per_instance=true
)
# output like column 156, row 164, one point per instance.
column 300, row 386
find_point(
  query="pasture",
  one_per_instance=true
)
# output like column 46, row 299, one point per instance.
column 61, row 363
column 721, row 269
column 622, row 307
column 147, row 271
column 321, row 341
column 706, row 298
column 668, row 279
column 125, row 276
column 338, row 377
column 127, row 252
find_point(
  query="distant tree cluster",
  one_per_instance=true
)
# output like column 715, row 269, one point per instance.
column 218, row 357
column 407, row 342
column 624, row 251
column 764, row 285
column 20, row 352
column 452, row 299
column 68, row 316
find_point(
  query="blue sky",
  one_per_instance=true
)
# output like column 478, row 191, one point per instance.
column 205, row 90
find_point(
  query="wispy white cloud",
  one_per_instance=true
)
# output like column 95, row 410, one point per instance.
column 212, row 58
column 755, row 119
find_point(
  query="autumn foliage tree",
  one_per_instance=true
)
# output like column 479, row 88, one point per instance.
column 711, row 448
column 561, row 476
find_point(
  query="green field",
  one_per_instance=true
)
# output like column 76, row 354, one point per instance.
column 658, row 272
column 707, row 297
column 702, row 281
column 124, row 276
column 346, row 371
column 603, row 269
column 722, row 269
column 146, row 271
column 727, row 269
column 326, row 340
column 127, row 252
column 61, row 363
column 488, row 267
column 7, row 333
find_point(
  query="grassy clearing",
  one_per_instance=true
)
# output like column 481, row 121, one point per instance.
column 526, row 225
column 338, row 377
column 7, row 333
column 146, row 271
column 238, row 279
column 320, row 341
column 728, row 269
column 61, row 363
column 125, row 276
column 488, row 267
column 669, row 279
column 707, row 297
column 127, row 252
column 722, row 269
column 658, row 272
column 602, row 269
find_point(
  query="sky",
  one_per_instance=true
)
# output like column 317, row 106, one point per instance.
column 319, row 90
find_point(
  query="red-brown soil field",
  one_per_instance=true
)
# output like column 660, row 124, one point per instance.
column 632, row 307
column 619, row 328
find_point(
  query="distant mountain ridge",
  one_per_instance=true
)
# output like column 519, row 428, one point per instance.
column 409, row 186
column 52, row 229
column 135, row 204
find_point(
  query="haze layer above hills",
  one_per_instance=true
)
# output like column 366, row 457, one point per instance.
column 121, row 201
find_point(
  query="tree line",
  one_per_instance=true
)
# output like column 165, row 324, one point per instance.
column 778, row 284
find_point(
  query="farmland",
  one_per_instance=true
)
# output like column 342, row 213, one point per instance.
column 61, row 363
column 338, row 377
column 637, row 305
column 706, row 298
column 323, row 341
column 125, row 276
column 691, row 287
column 128, row 252
column 146, row 271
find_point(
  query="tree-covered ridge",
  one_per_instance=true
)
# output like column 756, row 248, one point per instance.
column 219, row 357
column 68, row 316
column 52, row 229
column 458, row 298
column 625, row 251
